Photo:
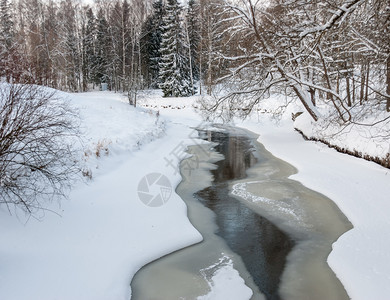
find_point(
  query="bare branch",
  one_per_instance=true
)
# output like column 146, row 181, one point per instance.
column 37, row 160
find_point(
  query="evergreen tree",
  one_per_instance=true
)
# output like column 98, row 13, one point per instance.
column 115, row 34
column 70, row 45
column 194, row 36
column 89, row 47
column 125, row 43
column 49, row 40
column 174, row 64
column 34, row 45
column 101, row 59
column 151, row 42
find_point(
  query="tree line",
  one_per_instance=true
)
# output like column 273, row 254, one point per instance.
column 333, row 56
column 334, row 52
column 70, row 46
column 129, row 44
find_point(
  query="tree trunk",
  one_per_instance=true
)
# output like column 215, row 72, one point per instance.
column 313, row 96
column 190, row 60
column 366, row 87
column 132, row 56
column 123, row 62
column 201, row 55
column 353, row 90
column 200, row 74
column 209, row 58
column 388, row 84
column 362, row 81
column 349, row 102
column 301, row 97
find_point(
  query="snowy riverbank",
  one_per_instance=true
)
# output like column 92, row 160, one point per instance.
column 361, row 189
column 104, row 233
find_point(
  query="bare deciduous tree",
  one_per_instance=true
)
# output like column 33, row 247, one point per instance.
column 37, row 160
column 321, row 56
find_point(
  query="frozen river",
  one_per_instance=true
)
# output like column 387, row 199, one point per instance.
column 275, row 232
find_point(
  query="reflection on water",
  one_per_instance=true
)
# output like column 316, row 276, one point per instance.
column 238, row 156
column 261, row 245
column 235, row 225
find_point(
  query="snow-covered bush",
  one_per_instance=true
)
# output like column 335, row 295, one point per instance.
column 37, row 160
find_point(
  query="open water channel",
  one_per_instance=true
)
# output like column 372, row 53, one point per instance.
column 276, row 232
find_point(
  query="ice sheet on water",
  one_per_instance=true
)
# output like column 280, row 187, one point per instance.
column 282, row 211
column 225, row 282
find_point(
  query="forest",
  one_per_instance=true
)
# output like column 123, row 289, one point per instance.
column 110, row 108
column 334, row 53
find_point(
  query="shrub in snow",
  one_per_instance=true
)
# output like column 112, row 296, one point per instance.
column 37, row 160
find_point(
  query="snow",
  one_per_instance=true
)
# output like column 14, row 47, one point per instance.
column 361, row 189
column 240, row 190
column 225, row 282
column 103, row 233
column 108, row 121
column 369, row 140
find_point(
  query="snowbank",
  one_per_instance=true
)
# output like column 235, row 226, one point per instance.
column 225, row 282
column 361, row 139
column 103, row 234
column 361, row 189
column 111, row 126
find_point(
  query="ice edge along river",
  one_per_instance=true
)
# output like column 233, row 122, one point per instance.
column 62, row 257
column 360, row 257
column 307, row 274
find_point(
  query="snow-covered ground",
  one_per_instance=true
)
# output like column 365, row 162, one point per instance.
column 361, row 189
column 361, row 138
column 225, row 282
column 104, row 233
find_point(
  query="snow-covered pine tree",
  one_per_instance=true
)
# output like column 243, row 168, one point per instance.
column 151, row 42
column 157, row 22
column 102, row 44
column 115, row 33
column 48, row 44
column 174, row 73
column 125, row 44
column 194, row 35
column 89, row 48
column 70, row 45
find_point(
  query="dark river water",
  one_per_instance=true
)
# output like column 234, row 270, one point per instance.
column 276, row 232
column 262, row 246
